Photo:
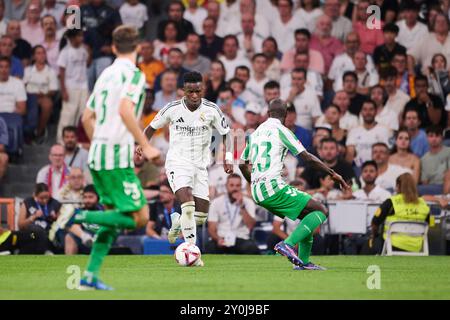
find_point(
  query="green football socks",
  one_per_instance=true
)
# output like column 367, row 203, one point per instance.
column 304, row 248
column 104, row 238
column 306, row 227
column 108, row 218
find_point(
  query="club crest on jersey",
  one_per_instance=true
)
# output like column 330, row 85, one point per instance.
column 203, row 117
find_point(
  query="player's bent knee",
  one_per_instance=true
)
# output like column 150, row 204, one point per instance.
column 200, row 218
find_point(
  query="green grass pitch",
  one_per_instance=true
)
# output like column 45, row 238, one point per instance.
column 229, row 277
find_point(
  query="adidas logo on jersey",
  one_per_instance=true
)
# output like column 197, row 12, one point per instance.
column 181, row 120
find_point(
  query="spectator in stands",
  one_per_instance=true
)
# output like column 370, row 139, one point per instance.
column 215, row 81
column 285, row 23
column 387, row 172
column 175, row 13
column 175, row 64
column 232, row 109
column 366, row 78
column 150, row 66
column 370, row 37
column 15, row 10
column 54, row 175
column 99, row 20
column 348, row 120
column 231, row 219
column 22, row 49
column 370, row 191
column 242, row 73
column 12, row 105
column 384, row 54
column 169, row 41
column 193, row 60
column 402, row 155
column 73, row 61
column 168, row 90
column 4, row 159
column 302, row 45
column 361, row 139
column 3, row 20
column 258, row 78
column 210, row 43
column 332, row 117
column 74, row 156
column 405, row 78
column 6, row 50
column 249, row 39
column 438, row 76
column 329, row 154
column 313, row 79
column 50, row 41
column 405, row 205
column 270, row 50
column 435, row 163
column 41, row 84
column 38, row 213
column 305, row 101
column 160, row 212
column 350, row 86
column 321, row 131
column 430, row 108
column 73, row 189
column 31, row 26
column 134, row 13
column 437, row 41
column 419, row 142
column 55, row 9
column 79, row 237
column 252, row 117
column 231, row 57
column 409, row 28
column 385, row 116
column 302, row 134
column 329, row 46
column 342, row 25
column 249, row 8
column 195, row 14
column 396, row 99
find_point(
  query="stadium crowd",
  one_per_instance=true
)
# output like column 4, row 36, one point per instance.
column 369, row 95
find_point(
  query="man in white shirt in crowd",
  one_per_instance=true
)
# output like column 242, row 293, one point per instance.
column 341, row 25
column 313, row 79
column 231, row 57
column 360, row 139
column 31, row 26
column 270, row 50
column 134, row 13
column 196, row 14
column 255, row 85
column 231, row 219
column 50, row 42
column 397, row 99
column 285, row 23
column 249, row 40
column 3, row 20
column 409, row 28
column 12, row 91
column 387, row 173
column 55, row 9
column 305, row 101
column 370, row 191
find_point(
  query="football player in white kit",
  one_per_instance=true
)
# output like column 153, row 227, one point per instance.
column 191, row 120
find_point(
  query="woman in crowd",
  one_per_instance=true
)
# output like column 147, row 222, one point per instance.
column 439, row 76
column 171, row 39
column 403, row 156
column 216, row 81
column 38, row 213
column 386, row 117
column 332, row 116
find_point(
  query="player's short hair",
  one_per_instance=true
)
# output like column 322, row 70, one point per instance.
column 290, row 108
column 277, row 108
column 304, row 32
column 69, row 129
column 272, row 84
column 125, row 39
column 369, row 163
column 192, row 77
column 434, row 129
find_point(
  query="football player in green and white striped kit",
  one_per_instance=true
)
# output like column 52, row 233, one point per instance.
column 111, row 122
column 264, row 156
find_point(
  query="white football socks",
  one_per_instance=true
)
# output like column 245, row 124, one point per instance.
column 187, row 222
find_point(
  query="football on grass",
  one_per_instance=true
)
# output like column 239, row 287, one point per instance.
column 187, row 254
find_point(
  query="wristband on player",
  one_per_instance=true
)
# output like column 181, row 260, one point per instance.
column 229, row 157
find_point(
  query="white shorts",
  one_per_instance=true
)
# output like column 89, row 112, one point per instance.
column 182, row 176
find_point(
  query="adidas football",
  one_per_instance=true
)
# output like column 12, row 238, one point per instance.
column 187, row 254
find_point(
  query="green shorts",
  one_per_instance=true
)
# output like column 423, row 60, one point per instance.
column 119, row 188
column 288, row 202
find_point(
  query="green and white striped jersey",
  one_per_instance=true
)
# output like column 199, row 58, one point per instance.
column 113, row 145
column 266, row 149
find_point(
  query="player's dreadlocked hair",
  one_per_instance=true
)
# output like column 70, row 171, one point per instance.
column 192, row 77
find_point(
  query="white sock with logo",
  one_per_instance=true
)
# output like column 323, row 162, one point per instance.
column 187, row 222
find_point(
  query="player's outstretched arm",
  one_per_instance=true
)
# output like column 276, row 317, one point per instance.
column 318, row 164
column 227, row 155
column 126, row 111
